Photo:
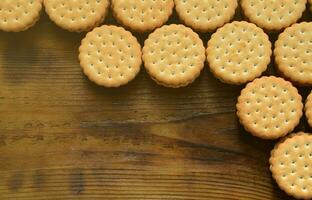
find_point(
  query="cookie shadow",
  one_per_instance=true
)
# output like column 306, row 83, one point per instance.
column 31, row 55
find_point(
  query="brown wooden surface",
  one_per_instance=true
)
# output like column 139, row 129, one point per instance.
column 62, row 137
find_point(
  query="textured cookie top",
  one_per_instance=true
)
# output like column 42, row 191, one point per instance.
column 291, row 165
column 18, row 15
column 273, row 14
column 269, row 107
column 205, row 15
column 308, row 109
column 238, row 52
column 110, row 56
column 293, row 53
column 142, row 15
column 77, row 15
column 174, row 55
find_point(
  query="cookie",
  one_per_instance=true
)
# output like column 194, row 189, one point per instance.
column 77, row 15
column 173, row 55
column 110, row 56
column 205, row 15
column 293, row 53
column 142, row 15
column 269, row 107
column 19, row 15
column 308, row 109
column 273, row 14
column 238, row 52
column 291, row 165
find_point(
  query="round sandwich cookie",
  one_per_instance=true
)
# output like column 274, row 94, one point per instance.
column 174, row 55
column 77, row 15
column 308, row 109
column 269, row 107
column 142, row 15
column 19, row 15
column 110, row 56
column 291, row 165
column 293, row 53
column 238, row 52
column 273, row 15
column 205, row 15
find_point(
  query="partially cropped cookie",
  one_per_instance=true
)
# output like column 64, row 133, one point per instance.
column 238, row 52
column 174, row 55
column 293, row 53
column 205, row 15
column 142, row 15
column 77, row 15
column 269, row 107
column 308, row 109
column 273, row 14
column 291, row 165
column 110, row 56
column 19, row 15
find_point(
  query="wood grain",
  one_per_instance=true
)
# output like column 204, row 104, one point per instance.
column 62, row 137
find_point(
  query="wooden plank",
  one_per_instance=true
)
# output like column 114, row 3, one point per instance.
column 62, row 137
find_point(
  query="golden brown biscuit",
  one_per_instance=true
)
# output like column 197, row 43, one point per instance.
column 291, row 165
column 269, row 107
column 293, row 53
column 238, row 52
column 142, row 15
column 77, row 15
column 273, row 14
column 174, row 55
column 205, row 15
column 308, row 109
column 110, row 56
column 19, row 15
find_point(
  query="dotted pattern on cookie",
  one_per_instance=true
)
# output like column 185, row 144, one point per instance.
column 273, row 14
column 110, row 56
column 238, row 52
column 206, row 15
column 269, row 107
column 77, row 15
column 293, row 53
column 19, row 15
column 142, row 15
column 291, row 165
column 308, row 109
column 174, row 55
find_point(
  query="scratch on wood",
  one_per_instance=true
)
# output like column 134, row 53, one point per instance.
column 2, row 140
column 38, row 179
column 77, row 181
column 16, row 181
